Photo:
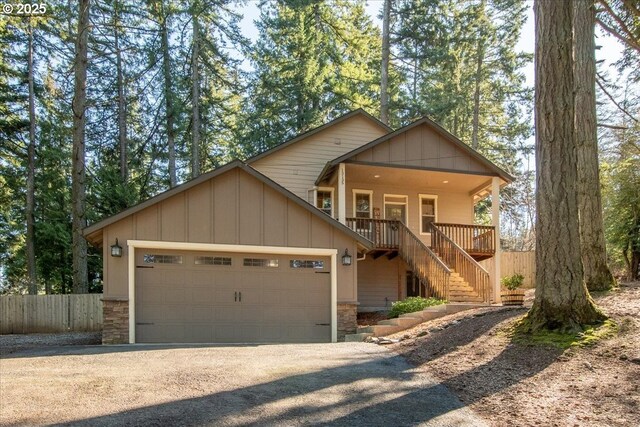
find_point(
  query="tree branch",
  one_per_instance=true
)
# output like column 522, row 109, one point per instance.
column 626, row 40
column 620, row 107
column 633, row 8
column 604, row 125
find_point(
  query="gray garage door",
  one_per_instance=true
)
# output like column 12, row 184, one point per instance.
column 199, row 297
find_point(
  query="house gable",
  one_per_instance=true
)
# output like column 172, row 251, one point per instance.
column 297, row 163
column 420, row 145
column 233, row 204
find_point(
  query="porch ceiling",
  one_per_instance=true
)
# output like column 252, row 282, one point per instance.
column 472, row 184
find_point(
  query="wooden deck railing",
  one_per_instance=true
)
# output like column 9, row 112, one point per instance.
column 424, row 263
column 474, row 239
column 382, row 232
column 459, row 260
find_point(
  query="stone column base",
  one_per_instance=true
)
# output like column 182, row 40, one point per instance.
column 347, row 319
column 115, row 314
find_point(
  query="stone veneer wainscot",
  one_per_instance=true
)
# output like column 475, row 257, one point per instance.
column 115, row 328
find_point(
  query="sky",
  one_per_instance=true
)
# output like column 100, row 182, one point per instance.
column 610, row 51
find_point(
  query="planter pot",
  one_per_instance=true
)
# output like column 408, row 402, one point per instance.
column 515, row 297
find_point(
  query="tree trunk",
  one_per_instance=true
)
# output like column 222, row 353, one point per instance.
column 384, row 78
column 414, row 86
column 80, row 284
column 562, row 301
column 122, row 109
column 478, row 80
column 195, row 99
column 31, row 169
column 168, row 97
column 594, row 256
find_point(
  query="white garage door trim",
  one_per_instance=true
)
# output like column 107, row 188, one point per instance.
column 214, row 247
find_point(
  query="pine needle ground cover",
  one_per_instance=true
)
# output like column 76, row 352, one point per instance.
column 585, row 379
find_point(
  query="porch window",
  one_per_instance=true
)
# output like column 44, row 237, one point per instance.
column 362, row 204
column 324, row 200
column 428, row 212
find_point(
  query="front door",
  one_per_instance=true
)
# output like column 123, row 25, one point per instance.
column 396, row 212
column 393, row 211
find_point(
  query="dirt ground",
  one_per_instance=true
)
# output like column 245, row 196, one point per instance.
column 517, row 385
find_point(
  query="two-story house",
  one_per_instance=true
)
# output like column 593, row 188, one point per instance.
column 289, row 245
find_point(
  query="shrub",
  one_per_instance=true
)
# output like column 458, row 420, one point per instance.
column 412, row 304
column 512, row 282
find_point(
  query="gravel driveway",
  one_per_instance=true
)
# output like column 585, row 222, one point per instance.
column 353, row 384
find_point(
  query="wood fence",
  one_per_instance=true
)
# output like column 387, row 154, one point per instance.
column 25, row 314
column 515, row 262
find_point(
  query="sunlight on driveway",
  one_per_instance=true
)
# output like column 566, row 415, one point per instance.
column 329, row 384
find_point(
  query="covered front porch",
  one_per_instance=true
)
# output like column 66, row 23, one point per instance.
column 424, row 218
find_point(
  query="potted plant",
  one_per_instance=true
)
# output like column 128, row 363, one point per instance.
column 512, row 295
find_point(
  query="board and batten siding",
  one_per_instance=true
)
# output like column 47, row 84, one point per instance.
column 297, row 166
column 380, row 282
column 232, row 208
column 421, row 146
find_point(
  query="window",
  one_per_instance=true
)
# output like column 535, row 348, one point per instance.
column 428, row 212
column 212, row 260
column 362, row 203
column 395, row 207
column 306, row 263
column 162, row 259
column 260, row 262
column 324, row 200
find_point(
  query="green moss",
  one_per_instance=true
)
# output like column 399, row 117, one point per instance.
column 590, row 335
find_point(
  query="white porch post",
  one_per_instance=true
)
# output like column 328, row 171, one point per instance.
column 495, row 219
column 342, row 194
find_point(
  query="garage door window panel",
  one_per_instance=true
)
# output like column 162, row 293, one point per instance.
column 306, row 263
column 162, row 259
column 260, row 262
column 212, row 260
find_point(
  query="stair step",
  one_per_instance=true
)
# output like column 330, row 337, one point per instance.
column 466, row 299
column 459, row 286
column 357, row 337
column 462, row 291
column 405, row 322
column 379, row 330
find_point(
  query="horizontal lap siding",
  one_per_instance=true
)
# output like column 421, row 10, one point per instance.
column 298, row 166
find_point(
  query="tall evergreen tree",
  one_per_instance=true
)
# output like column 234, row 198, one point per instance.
column 78, row 174
column 216, row 87
column 592, row 243
column 462, row 70
column 562, row 301
column 313, row 61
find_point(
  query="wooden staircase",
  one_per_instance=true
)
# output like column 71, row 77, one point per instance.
column 461, row 291
column 446, row 269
